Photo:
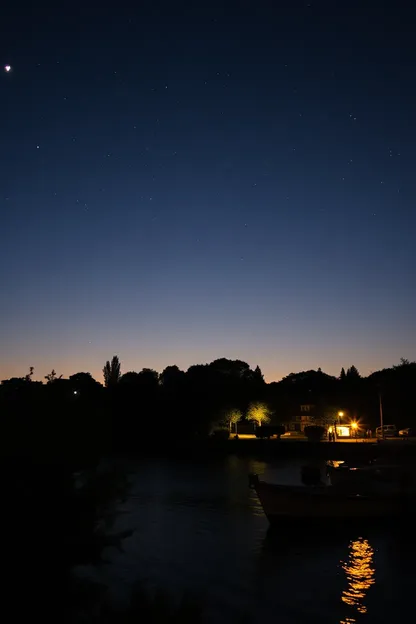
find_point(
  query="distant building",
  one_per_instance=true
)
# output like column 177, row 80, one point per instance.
column 306, row 415
column 303, row 416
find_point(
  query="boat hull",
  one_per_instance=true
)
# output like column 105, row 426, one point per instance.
column 374, row 479
column 285, row 502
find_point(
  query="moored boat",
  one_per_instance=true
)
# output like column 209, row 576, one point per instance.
column 373, row 477
column 327, row 502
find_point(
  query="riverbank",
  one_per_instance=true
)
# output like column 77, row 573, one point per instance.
column 270, row 449
column 182, row 448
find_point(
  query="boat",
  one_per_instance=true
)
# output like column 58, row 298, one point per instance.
column 373, row 477
column 322, row 501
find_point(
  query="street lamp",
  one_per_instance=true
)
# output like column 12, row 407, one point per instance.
column 354, row 427
column 340, row 415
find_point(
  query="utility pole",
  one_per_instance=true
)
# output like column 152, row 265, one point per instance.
column 381, row 414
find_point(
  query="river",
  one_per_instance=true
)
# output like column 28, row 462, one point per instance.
column 198, row 527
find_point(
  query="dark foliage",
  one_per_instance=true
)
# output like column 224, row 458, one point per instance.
column 314, row 433
column 268, row 431
column 139, row 409
column 112, row 372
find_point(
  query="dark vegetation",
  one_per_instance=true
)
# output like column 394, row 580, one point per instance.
column 58, row 497
column 133, row 410
column 269, row 431
column 314, row 433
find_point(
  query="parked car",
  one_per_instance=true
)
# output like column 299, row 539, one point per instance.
column 387, row 431
column 294, row 434
column 409, row 431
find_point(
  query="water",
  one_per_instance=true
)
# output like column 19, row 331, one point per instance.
column 199, row 527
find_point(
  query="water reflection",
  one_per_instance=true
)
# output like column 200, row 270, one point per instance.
column 200, row 528
column 360, row 573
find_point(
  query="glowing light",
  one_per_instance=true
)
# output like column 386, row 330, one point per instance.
column 7, row 68
column 354, row 425
column 340, row 414
column 360, row 575
column 342, row 432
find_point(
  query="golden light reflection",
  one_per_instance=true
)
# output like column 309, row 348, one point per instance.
column 360, row 574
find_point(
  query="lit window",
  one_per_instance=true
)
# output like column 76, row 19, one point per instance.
column 343, row 432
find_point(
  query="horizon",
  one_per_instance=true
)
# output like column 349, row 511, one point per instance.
column 99, row 376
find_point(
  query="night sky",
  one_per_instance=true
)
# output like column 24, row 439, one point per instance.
column 185, row 181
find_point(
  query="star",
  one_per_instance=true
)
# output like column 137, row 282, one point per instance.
column 7, row 68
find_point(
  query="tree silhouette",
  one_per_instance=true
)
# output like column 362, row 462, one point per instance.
column 149, row 378
column 52, row 376
column 131, row 378
column 258, row 375
column 29, row 376
column 342, row 374
column 352, row 373
column 258, row 413
column 112, row 372
column 231, row 368
column 171, row 376
column 83, row 379
column 403, row 362
column 84, row 383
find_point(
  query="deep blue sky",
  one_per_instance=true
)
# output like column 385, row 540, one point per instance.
column 180, row 183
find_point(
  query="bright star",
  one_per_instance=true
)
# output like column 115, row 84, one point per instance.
column 7, row 68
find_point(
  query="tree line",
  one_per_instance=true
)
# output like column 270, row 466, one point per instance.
column 131, row 407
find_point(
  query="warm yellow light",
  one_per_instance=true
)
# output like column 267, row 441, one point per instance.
column 342, row 432
column 354, row 425
column 340, row 414
column 360, row 574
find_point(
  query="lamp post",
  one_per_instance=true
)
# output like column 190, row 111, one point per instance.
column 340, row 415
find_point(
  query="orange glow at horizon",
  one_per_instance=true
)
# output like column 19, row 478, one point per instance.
column 75, row 359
